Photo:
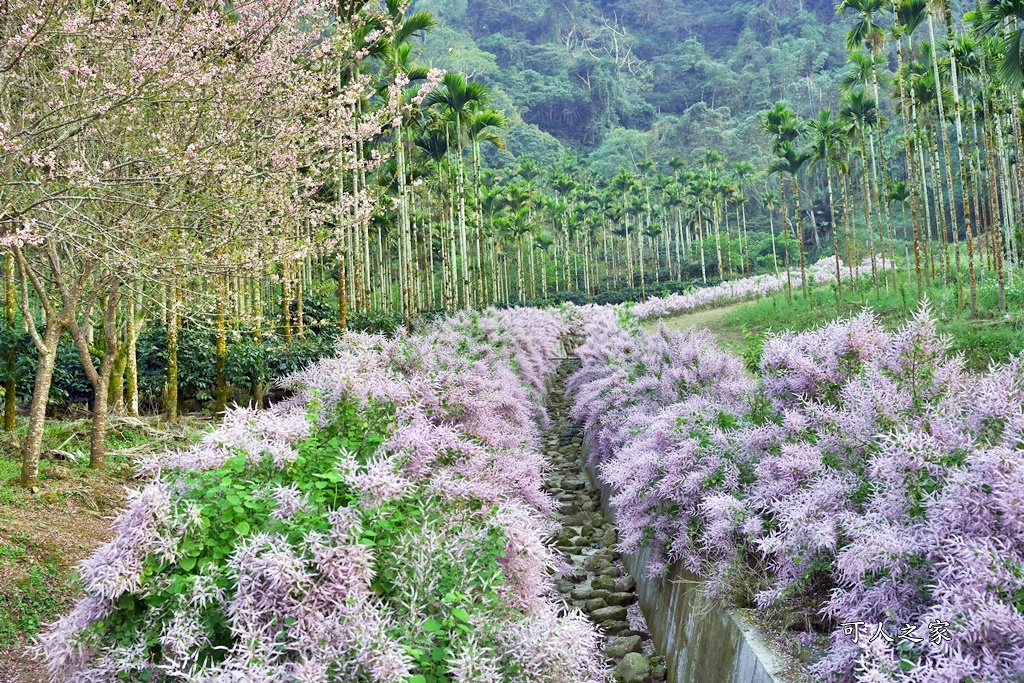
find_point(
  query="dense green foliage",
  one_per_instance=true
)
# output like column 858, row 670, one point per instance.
column 229, row 506
column 625, row 78
column 251, row 368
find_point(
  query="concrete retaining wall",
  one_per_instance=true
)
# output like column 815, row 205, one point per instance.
column 701, row 643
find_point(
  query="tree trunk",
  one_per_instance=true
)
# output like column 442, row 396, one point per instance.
column 11, row 360
column 300, row 315
column 221, row 390
column 785, row 243
column 911, row 175
column 171, row 391
column 800, row 236
column 100, row 378
column 703, row 259
column 643, row 277
column 848, row 228
column 342, row 299
column 718, row 240
column 115, row 394
column 46, row 344
column 132, row 388
column 461, row 192
column 868, row 215
column 835, row 236
column 944, row 148
column 926, row 224
column 286, row 303
column 33, row 446
column 519, row 272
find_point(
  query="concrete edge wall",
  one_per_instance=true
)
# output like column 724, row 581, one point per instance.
column 701, row 643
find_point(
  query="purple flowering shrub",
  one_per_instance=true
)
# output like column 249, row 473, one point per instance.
column 866, row 481
column 732, row 291
column 385, row 525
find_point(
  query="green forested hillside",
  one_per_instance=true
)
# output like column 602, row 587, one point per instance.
column 623, row 79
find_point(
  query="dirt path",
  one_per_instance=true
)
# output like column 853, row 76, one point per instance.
column 712, row 319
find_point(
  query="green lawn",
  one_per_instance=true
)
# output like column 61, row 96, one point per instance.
column 989, row 337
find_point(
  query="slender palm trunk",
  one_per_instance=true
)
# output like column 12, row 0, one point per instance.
column 944, row 145
column 771, row 227
column 868, row 214
column 718, row 240
column 835, row 236
column 519, row 272
column 848, row 229
column 929, row 251
column 800, row 234
column 911, row 175
column 785, row 242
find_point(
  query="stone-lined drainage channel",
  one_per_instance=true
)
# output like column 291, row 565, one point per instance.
column 597, row 583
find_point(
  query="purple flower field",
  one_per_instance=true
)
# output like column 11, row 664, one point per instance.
column 863, row 479
column 729, row 292
column 385, row 524
column 388, row 522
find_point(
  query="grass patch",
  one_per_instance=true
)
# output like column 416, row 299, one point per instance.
column 988, row 338
column 36, row 597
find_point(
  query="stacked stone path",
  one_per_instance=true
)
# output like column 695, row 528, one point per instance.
column 597, row 582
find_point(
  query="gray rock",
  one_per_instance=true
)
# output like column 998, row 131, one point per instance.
column 659, row 672
column 600, row 593
column 622, row 599
column 609, row 538
column 625, row 585
column 604, row 614
column 564, row 586
column 634, row 668
column 611, row 572
column 566, row 534
column 582, row 593
column 594, row 605
column 589, row 506
column 597, row 563
column 578, row 519
column 616, row 628
column 57, row 472
column 603, row 583
column 595, row 518
column 619, row 647
column 642, row 635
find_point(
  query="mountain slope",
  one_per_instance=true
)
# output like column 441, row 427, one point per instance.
column 617, row 78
